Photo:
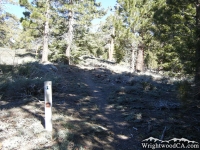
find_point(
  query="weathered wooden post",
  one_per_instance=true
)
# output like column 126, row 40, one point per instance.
column 48, row 105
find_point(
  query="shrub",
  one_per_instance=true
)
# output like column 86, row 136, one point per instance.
column 60, row 58
column 26, row 80
column 184, row 91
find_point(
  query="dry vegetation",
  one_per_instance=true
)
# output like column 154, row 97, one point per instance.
column 96, row 105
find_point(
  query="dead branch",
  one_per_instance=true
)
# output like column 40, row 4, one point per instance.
column 163, row 133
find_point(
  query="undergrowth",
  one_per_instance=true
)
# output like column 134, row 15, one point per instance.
column 25, row 80
column 184, row 92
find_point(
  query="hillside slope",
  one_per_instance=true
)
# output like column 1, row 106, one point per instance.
column 94, row 107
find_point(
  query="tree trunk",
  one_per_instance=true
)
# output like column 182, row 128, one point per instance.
column 133, row 57
column 70, row 35
column 46, row 35
column 140, row 59
column 132, row 61
column 111, row 49
column 197, row 76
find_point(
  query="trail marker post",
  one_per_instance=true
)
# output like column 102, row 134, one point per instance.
column 48, row 105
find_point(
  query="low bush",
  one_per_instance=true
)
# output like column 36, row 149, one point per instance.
column 26, row 80
column 184, row 92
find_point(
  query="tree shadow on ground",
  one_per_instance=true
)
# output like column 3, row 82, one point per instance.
column 145, row 109
column 26, row 55
column 101, row 109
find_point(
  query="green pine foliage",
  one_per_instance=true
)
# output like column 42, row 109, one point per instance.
column 82, row 40
column 34, row 17
column 165, row 28
column 174, row 29
column 9, row 29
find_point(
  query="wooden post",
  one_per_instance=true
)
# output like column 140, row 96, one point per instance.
column 48, row 105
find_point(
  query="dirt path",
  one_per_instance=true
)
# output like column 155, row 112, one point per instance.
column 109, row 117
column 95, row 109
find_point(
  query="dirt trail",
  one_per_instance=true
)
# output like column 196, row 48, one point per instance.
column 109, row 117
column 94, row 109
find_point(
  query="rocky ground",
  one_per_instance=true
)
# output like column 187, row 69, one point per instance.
column 96, row 106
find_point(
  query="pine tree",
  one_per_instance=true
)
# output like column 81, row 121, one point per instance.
column 78, row 14
column 112, row 23
column 46, row 33
column 9, row 26
column 136, row 17
column 175, row 30
column 197, row 71
column 36, row 19
column 108, row 28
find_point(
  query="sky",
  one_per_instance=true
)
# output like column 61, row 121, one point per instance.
column 15, row 9
column 105, row 4
column 18, row 11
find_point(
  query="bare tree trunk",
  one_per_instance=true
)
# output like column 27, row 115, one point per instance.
column 140, row 59
column 70, row 35
column 132, row 61
column 46, row 35
column 111, row 50
column 133, row 57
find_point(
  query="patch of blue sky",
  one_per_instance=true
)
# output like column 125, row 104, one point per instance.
column 17, row 10
column 106, row 4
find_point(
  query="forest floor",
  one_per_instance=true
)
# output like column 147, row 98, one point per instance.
column 95, row 107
